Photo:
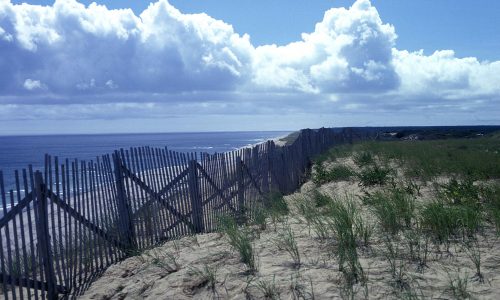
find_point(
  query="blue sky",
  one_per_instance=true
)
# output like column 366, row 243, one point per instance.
column 257, row 65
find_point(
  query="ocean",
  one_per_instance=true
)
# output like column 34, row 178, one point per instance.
column 17, row 152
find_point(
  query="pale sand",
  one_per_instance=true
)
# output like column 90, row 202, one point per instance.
column 142, row 278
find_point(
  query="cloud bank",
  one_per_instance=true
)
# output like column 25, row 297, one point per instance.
column 92, row 62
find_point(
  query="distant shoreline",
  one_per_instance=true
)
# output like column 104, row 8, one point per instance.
column 17, row 152
column 134, row 133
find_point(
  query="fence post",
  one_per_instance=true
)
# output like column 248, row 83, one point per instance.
column 126, row 227
column 241, row 189
column 265, row 170
column 270, row 167
column 196, row 202
column 42, row 235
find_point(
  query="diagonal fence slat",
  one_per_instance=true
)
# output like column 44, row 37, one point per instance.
column 84, row 221
column 218, row 191
column 21, row 205
column 155, row 196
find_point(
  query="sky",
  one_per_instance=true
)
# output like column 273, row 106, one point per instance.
column 217, row 65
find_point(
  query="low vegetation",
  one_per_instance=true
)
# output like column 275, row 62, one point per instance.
column 207, row 276
column 491, row 198
column 386, row 220
column 285, row 241
column 240, row 238
column 336, row 173
column 343, row 214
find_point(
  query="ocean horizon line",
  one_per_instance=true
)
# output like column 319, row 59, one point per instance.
column 141, row 133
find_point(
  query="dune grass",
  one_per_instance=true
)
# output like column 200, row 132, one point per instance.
column 208, row 276
column 336, row 173
column 363, row 158
column 456, row 213
column 491, row 198
column 276, row 208
column 459, row 286
column 343, row 214
column 398, row 223
column 411, row 232
column 286, row 241
column 374, row 175
column 394, row 209
column 240, row 239
column 474, row 158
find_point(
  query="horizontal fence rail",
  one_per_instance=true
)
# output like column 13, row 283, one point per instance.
column 62, row 226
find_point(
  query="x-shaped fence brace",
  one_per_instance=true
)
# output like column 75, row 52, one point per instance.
column 158, row 197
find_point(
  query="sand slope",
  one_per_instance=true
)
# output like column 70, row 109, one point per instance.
column 153, row 275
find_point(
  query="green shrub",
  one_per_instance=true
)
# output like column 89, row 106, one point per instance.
column 476, row 158
column 336, row 173
column 438, row 220
column 412, row 188
column 461, row 192
column 320, row 159
column 470, row 219
column 259, row 217
column 394, row 209
column 444, row 221
column 226, row 224
column 167, row 261
column 374, row 175
column 368, row 198
column 363, row 158
column 494, row 215
column 340, row 173
column 276, row 207
column 320, row 199
column 333, row 153
column 320, row 175
column 277, row 204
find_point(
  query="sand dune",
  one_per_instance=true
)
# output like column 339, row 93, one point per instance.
column 147, row 277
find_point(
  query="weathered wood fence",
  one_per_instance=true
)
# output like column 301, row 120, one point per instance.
column 63, row 226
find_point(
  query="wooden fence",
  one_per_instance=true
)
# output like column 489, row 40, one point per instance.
column 63, row 226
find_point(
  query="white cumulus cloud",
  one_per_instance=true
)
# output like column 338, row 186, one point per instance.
column 73, row 48
column 349, row 50
column 31, row 84
column 95, row 57
column 444, row 74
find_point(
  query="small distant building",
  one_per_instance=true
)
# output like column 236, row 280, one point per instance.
column 411, row 137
